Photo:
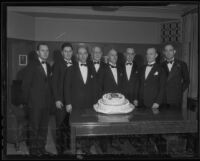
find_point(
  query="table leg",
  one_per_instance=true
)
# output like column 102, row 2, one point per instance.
column 73, row 140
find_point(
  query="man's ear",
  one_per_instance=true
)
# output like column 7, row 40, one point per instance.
column 37, row 52
column 174, row 51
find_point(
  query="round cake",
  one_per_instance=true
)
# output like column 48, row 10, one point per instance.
column 113, row 99
column 113, row 103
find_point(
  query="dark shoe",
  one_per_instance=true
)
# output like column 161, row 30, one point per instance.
column 44, row 152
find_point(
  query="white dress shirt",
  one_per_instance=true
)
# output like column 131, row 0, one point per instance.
column 169, row 65
column 128, row 70
column 148, row 69
column 84, row 72
column 97, row 67
column 44, row 65
column 68, row 62
column 114, row 72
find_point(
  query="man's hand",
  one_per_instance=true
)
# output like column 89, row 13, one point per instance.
column 155, row 106
column 135, row 102
column 59, row 104
column 69, row 108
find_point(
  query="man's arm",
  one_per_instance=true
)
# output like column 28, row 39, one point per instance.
column 26, row 83
column 185, row 75
column 162, row 82
column 67, row 86
column 56, row 82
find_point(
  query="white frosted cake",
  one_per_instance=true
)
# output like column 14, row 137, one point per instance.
column 113, row 103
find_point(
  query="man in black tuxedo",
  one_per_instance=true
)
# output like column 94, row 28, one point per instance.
column 177, row 77
column 98, row 67
column 130, row 75
column 113, row 74
column 37, row 95
column 78, row 83
column 151, row 82
column 60, row 67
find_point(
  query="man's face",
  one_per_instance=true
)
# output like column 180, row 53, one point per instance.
column 151, row 55
column 112, row 56
column 169, row 52
column 43, row 52
column 97, row 54
column 67, row 52
column 129, row 55
column 82, row 55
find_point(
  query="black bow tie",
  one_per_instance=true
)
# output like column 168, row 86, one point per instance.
column 170, row 62
column 150, row 65
column 43, row 62
column 112, row 66
column 129, row 63
column 68, row 62
column 96, row 63
column 84, row 65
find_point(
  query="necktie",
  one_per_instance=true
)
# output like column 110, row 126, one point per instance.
column 150, row 65
column 112, row 66
column 170, row 62
column 84, row 65
column 129, row 63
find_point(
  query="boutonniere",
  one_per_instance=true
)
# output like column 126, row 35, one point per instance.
column 51, row 74
column 136, row 71
column 121, row 74
column 156, row 73
column 178, row 65
column 91, row 76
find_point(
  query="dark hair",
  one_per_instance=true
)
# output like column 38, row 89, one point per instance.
column 66, row 44
column 39, row 44
column 169, row 44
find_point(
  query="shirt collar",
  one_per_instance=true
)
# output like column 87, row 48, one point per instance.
column 41, row 60
column 152, row 63
column 112, row 64
column 68, row 61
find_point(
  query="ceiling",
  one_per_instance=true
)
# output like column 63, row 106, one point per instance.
column 123, row 13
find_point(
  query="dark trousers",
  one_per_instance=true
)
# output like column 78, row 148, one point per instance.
column 38, row 126
column 62, row 130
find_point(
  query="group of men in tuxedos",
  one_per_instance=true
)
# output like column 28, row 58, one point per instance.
column 79, row 84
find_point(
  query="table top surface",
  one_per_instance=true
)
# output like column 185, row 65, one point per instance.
column 88, row 116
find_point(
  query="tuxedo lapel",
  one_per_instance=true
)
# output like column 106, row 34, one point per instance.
column 41, row 69
column 173, row 70
column 79, row 74
column 113, row 75
column 151, row 72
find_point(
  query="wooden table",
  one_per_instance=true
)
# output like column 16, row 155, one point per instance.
column 87, row 122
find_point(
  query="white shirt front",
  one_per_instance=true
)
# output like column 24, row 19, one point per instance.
column 96, row 67
column 169, row 65
column 148, row 69
column 114, row 72
column 44, row 66
column 68, row 62
column 128, row 70
column 84, row 72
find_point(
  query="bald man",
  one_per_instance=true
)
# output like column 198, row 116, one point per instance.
column 98, row 67
column 177, row 77
column 130, row 71
column 151, row 82
column 78, row 83
column 113, row 75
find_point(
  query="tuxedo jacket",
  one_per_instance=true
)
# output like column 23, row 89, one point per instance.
column 177, row 81
column 98, row 81
column 109, row 84
column 130, row 86
column 151, row 89
column 76, row 93
column 59, row 69
column 36, row 86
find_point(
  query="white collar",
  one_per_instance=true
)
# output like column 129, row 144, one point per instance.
column 152, row 63
column 41, row 60
column 112, row 64
column 68, row 61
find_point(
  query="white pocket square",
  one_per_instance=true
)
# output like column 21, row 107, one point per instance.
column 156, row 73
